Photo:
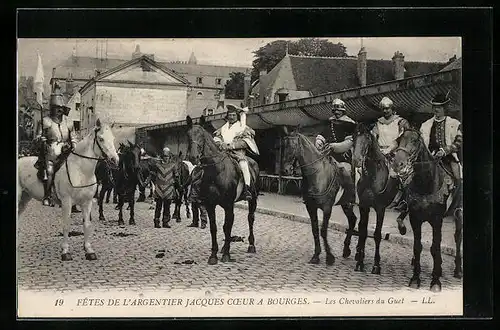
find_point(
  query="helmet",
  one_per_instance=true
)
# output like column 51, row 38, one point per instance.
column 386, row 103
column 166, row 150
column 338, row 104
column 57, row 100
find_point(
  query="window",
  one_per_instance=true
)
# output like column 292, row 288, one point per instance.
column 199, row 80
column 210, row 112
column 218, row 81
column 199, row 95
column 76, row 125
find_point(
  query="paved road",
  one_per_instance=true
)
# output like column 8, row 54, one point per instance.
column 127, row 257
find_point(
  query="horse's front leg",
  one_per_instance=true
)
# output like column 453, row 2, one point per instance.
column 313, row 214
column 330, row 259
column 377, row 236
column 66, row 216
column 121, row 198
column 416, row 226
column 99, row 203
column 212, row 260
column 131, row 204
column 108, row 194
column 228, row 227
column 252, row 206
column 87, row 231
column 437, row 270
column 364, row 213
column 186, row 202
column 458, row 242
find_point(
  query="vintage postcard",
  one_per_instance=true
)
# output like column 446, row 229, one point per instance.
column 257, row 177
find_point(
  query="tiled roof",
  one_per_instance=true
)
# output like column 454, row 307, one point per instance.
column 457, row 64
column 321, row 75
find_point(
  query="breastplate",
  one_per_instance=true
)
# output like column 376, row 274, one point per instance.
column 57, row 132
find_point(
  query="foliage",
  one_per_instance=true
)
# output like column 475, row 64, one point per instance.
column 271, row 54
column 235, row 86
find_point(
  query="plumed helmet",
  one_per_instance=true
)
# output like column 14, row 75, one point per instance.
column 338, row 104
column 441, row 99
column 386, row 103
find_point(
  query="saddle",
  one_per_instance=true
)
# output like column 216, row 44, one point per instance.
column 40, row 166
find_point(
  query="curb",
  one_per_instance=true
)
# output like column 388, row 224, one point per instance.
column 403, row 240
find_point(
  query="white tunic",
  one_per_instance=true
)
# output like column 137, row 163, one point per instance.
column 388, row 132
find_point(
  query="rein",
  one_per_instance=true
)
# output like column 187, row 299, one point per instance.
column 223, row 156
column 385, row 160
column 86, row 157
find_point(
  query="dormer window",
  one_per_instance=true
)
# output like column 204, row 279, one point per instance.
column 218, row 81
column 199, row 80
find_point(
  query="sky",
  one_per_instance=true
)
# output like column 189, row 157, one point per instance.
column 231, row 52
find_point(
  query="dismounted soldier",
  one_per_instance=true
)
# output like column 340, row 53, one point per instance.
column 58, row 138
column 337, row 139
column 199, row 210
column 237, row 137
column 443, row 136
column 165, row 178
column 387, row 130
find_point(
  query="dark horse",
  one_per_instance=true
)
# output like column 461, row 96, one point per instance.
column 184, row 173
column 323, row 181
column 221, row 184
column 428, row 185
column 127, row 179
column 375, row 190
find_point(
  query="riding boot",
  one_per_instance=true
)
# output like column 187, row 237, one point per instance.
column 246, row 193
column 47, row 187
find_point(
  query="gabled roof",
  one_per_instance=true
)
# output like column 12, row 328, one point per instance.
column 144, row 60
column 321, row 75
column 457, row 64
column 83, row 67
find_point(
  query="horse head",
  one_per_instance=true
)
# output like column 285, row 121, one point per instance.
column 363, row 140
column 105, row 140
column 410, row 148
column 198, row 139
column 291, row 143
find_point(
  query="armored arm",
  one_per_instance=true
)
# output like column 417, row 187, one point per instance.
column 73, row 139
column 320, row 142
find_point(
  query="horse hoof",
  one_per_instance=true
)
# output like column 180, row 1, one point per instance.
column 121, row 223
column 356, row 256
column 102, row 218
column 66, row 257
column 402, row 229
column 203, row 226
column 359, row 267
column 212, row 260
column 346, row 253
column 314, row 260
column 436, row 286
column 376, row 270
column 131, row 222
column 251, row 249
column 457, row 273
column 227, row 258
column 330, row 260
column 188, row 215
column 414, row 283
column 90, row 256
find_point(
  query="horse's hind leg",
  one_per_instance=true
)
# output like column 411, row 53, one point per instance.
column 22, row 200
column 87, row 231
column 437, row 270
column 458, row 242
column 186, row 202
column 313, row 214
column 100, row 199
column 212, row 260
column 228, row 227
column 252, row 206
column 416, row 226
column 108, row 194
column 364, row 213
column 120, row 209
column 351, row 219
column 327, row 211
column 377, row 236
column 131, row 204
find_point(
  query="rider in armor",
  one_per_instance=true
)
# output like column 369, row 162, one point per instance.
column 58, row 138
column 387, row 130
column 443, row 136
column 338, row 137
column 237, row 137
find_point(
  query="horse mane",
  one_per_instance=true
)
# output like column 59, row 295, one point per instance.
column 309, row 144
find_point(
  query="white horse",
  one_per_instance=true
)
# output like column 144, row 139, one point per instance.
column 74, row 182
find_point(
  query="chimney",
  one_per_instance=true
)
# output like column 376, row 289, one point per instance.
column 246, row 87
column 69, row 84
column 262, row 91
column 398, row 62
column 53, row 72
column 362, row 66
column 137, row 53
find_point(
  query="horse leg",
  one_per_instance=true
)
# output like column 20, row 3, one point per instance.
column 351, row 219
column 186, row 202
column 121, row 198
column 99, row 203
column 228, row 227
column 377, row 236
column 166, row 213
column 97, row 191
column 23, row 199
column 108, row 193
column 158, row 206
column 437, row 270
column 177, row 210
column 327, row 211
column 364, row 213
column 252, row 206
column 416, row 226
column 115, row 196
column 458, row 240
column 313, row 214
column 131, row 204
column 66, row 205
column 87, row 231
column 212, row 260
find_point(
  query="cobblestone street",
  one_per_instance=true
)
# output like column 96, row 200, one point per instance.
column 127, row 257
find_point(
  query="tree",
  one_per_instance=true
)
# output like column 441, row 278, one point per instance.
column 235, row 86
column 271, row 54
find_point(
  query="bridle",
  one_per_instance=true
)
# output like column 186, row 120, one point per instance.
column 201, row 148
column 96, row 142
column 296, row 137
